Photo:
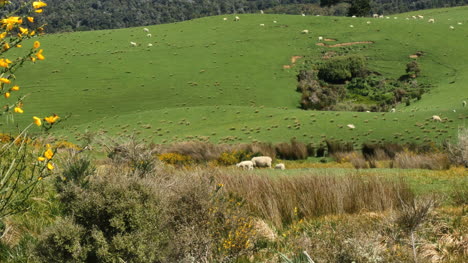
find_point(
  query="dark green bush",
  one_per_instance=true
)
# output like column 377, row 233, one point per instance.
column 341, row 68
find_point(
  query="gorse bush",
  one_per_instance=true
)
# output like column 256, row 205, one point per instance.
column 175, row 159
column 340, row 68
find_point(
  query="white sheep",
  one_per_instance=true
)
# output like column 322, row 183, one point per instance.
column 387, row 17
column 393, row 110
column 451, row 27
column 236, row 18
column 149, row 35
column 280, row 166
column 246, row 165
column 414, row 17
column 305, row 31
column 375, row 15
column 351, row 26
column 146, row 29
column 303, row 14
column 381, row 16
column 261, row 12
column 225, row 18
column 320, row 38
column 420, row 17
column 274, row 21
column 431, row 20
column 436, row 118
column 464, row 103
column 367, row 111
column 150, row 45
column 460, row 23
column 395, row 17
column 262, row 24
column 262, row 161
column 351, row 126
column 353, row 16
column 368, row 22
column 133, row 44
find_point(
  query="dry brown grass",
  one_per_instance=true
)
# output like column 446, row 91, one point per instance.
column 431, row 161
column 458, row 152
column 279, row 199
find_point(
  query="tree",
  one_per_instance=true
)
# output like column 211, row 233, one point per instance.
column 359, row 8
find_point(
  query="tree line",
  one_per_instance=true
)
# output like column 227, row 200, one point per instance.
column 80, row 15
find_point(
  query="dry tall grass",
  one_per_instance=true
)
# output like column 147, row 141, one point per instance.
column 281, row 199
column 458, row 153
column 431, row 161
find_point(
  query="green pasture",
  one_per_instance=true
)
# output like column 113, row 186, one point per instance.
column 225, row 81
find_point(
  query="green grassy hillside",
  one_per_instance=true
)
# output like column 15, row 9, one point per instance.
column 226, row 81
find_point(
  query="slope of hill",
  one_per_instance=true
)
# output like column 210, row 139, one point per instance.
column 226, row 81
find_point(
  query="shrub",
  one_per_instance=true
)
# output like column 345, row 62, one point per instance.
column 175, row 159
column 336, row 146
column 341, row 68
column 76, row 169
column 458, row 153
column 230, row 158
column 412, row 68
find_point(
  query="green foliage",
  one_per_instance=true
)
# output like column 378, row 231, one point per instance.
column 341, row 68
column 412, row 68
column 359, row 8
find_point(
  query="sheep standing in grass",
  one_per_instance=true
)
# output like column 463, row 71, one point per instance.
column 236, row 18
column 261, row 12
column 320, row 38
column 305, row 31
column 351, row 126
column 280, row 166
column 375, row 15
column 393, row 110
column 262, row 24
column 150, row 45
column 464, row 103
column 432, row 20
column 133, row 44
column 436, row 118
column 149, row 35
column 249, row 165
column 146, row 30
column 225, row 18
column 262, row 161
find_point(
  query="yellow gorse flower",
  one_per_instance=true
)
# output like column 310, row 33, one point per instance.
column 39, row 55
column 18, row 110
column 50, row 166
column 38, row 4
column 7, row 95
column 37, row 44
column 5, row 80
column 37, row 121
column 48, row 154
column 30, row 19
column 52, row 119
column 4, row 62
column 6, row 46
column 40, row 159
column 11, row 21
column 23, row 30
column 15, row 88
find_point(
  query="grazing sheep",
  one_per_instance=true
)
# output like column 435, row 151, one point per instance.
column 393, row 110
column 460, row 23
column 381, row 16
column 133, row 44
column 420, row 17
column 149, row 35
column 387, row 17
column 353, row 16
column 225, row 18
column 351, row 26
column 375, row 15
column 280, row 166
column 262, row 161
column 454, row 110
column 262, row 24
column 274, row 21
column 395, row 17
column 431, row 20
column 146, row 29
column 261, row 12
column 414, row 17
column 320, row 38
column 368, row 22
column 246, row 165
column 150, row 45
column 305, row 31
column 464, row 103
column 351, row 126
column 451, row 27
column 303, row 14
column 436, row 118
column 236, row 18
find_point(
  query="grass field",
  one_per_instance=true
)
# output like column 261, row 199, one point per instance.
column 224, row 81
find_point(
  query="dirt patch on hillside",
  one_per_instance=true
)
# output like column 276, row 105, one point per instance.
column 345, row 44
column 295, row 58
column 417, row 54
column 330, row 39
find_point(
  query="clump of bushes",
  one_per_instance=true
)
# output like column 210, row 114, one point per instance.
column 292, row 151
column 175, row 159
column 341, row 68
column 230, row 158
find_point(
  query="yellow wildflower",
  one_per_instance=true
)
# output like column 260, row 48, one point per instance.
column 10, row 22
column 50, row 166
column 40, row 178
column 23, row 30
column 51, row 119
column 4, row 63
column 37, row 44
column 48, row 154
column 5, row 80
column 7, row 95
column 30, row 19
column 40, row 159
column 38, row 10
column 33, row 59
column 3, row 35
column 32, row 33
column 39, row 55
column 38, row 4
column 19, row 45
column 37, row 121
column 18, row 110
column 15, row 88
column 6, row 46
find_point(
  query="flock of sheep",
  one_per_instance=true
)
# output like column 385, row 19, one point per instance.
column 259, row 161
column 148, row 34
